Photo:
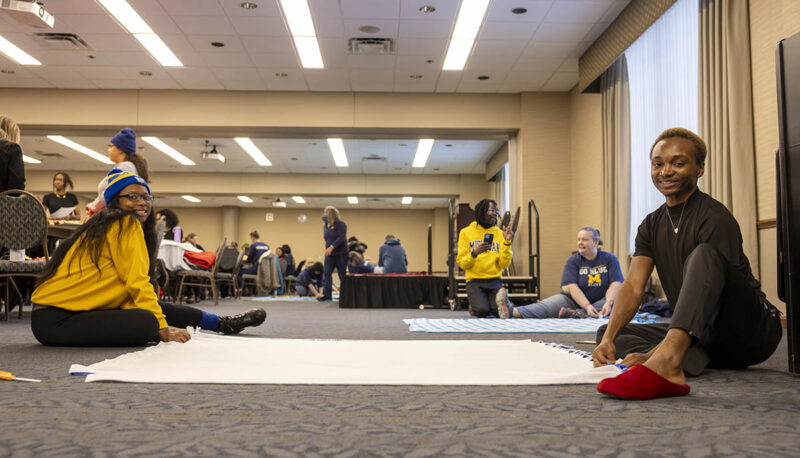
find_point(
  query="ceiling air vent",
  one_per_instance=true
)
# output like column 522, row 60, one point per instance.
column 43, row 154
column 373, row 157
column 371, row 46
column 63, row 41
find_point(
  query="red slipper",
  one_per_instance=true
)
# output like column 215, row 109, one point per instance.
column 639, row 382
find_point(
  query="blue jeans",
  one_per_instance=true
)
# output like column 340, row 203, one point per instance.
column 549, row 308
column 333, row 261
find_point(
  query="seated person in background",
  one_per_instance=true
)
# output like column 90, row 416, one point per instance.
column 353, row 244
column 192, row 240
column 392, row 256
column 254, row 253
column 589, row 282
column 96, row 292
column 309, row 282
column 60, row 197
column 357, row 264
column 483, row 252
column 284, row 253
column 171, row 231
column 721, row 318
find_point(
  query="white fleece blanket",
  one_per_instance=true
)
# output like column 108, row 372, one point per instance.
column 213, row 358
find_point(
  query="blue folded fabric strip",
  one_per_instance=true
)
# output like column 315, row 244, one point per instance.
column 513, row 326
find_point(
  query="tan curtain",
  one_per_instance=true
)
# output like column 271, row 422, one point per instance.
column 726, row 113
column 616, row 160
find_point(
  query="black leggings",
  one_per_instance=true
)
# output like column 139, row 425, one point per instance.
column 107, row 328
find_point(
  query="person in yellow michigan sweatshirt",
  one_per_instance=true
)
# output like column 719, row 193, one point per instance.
column 484, row 250
column 96, row 292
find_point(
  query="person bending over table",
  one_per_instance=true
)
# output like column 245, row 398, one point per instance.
column 721, row 318
column 95, row 291
column 484, row 250
column 309, row 282
column 589, row 283
column 334, row 232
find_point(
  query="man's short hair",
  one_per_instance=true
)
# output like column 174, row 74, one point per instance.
column 390, row 236
column 255, row 235
column 700, row 149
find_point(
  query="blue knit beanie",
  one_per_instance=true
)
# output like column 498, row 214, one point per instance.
column 125, row 140
column 117, row 179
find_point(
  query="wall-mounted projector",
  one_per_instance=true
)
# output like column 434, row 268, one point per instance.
column 28, row 13
column 212, row 153
column 279, row 203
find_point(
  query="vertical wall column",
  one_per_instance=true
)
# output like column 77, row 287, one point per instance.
column 230, row 224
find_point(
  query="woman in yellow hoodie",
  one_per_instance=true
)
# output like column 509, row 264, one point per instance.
column 484, row 250
column 95, row 291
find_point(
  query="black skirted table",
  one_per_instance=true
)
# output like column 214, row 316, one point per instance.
column 392, row 291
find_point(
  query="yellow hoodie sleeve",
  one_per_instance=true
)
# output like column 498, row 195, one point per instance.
column 464, row 258
column 129, row 254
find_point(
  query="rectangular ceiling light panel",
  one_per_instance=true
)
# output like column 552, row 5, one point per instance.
column 168, row 150
column 80, row 148
column 337, row 150
column 406, row 200
column 16, row 54
column 251, row 149
column 352, row 200
column 298, row 199
column 301, row 26
column 130, row 20
column 245, row 199
column 30, row 160
column 191, row 198
column 468, row 24
column 423, row 151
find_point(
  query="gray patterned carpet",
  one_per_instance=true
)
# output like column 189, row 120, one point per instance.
column 747, row 413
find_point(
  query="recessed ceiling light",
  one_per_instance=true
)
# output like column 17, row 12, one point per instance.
column 436, row 169
column 483, row 77
column 352, row 200
column 90, row 56
column 168, row 150
column 217, row 44
column 191, row 198
column 337, row 150
column 16, row 54
column 415, row 77
column 245, row 199
column 427, row 9
column 80, row 148
column 253, row 151
column 144, row 73
column 30, row 160
column 406, row 200
column 519, row 10
column 403, row 144
column 301, row 26
column 298, row 199
column 249, row 5
column 448, row 145
column 423, row 151
column 133, row 23
column 7, row 72
column 369, row 29
column 281, row 75
column 468, row 24
column 294, row 158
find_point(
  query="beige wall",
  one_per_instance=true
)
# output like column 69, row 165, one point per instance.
column 770, row 21
column 586, row 146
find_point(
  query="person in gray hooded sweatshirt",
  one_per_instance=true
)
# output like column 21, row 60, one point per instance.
column 392, row 256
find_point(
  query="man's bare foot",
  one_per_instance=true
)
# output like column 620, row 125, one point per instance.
column 632, row 359
column 666, row 366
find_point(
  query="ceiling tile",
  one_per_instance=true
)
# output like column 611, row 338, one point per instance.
column 236, row 74
column 596, row 31
column 537, row 64
column 448, row 81
column 242, row 85
column 60, row 7
column 527, row 81
column 360, row 86
column 162, row 24
column 500, row 10
column 282, row 60
column 204, row 25
column 422, row 47
column 574, row 11
column 569, row 65
column 92, row 23
column 478, row 86
column 425, row 29
column 112, row 42
column 371, row 62
column 517, row 31
column 193, row 7
column 373, row 9
column 327, row 18
column 334, row 52
column 370, row 75
column 561, row 81
column 269, row 26
column 261, row 44
column 561, row 32
column 123, row 58
column 202, row 43
column 488, row 48
column 388, row 28
column 147, row 8
column 613, row 11
column 217, row 60
column 417, row 64
column 550, row 49
column 445, row 10
column 233, row 8
column 327, row 79
column 122, row 83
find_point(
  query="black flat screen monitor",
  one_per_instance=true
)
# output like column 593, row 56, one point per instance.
column 787, row 56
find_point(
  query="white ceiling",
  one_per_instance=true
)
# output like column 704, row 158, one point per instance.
column 365, row 156
column 535, row 51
